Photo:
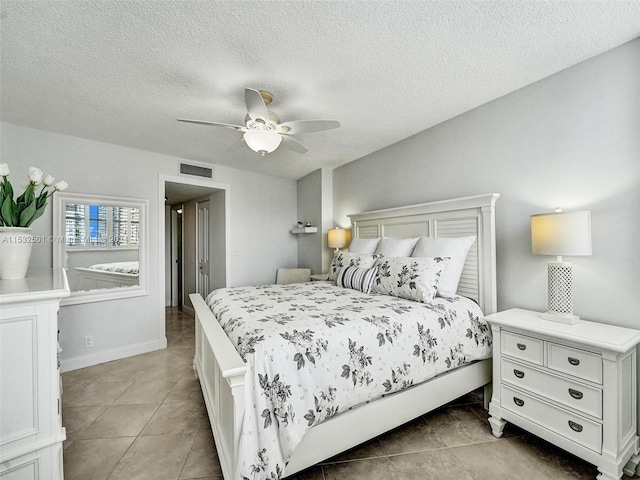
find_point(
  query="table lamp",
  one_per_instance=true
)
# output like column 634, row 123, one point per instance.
column 561, row 234
column 337, row 238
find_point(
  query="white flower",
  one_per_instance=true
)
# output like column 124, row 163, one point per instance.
column 32, row 202
column 35, row 175
column 61, row 185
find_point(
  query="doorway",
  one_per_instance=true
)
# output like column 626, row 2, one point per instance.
column 183, row 244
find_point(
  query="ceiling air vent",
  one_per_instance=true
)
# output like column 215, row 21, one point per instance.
column 196, row 170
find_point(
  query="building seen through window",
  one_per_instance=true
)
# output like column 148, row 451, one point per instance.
column 101, row 227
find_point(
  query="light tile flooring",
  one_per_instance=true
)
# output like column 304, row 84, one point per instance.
column 144, row 418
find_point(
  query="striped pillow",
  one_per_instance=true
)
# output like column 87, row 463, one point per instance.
column 357, row 278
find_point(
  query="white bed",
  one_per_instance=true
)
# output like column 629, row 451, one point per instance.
column 221, row 369
column 108, row 275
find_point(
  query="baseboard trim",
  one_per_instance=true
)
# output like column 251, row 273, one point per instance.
column 83, row 361
column 188, row 310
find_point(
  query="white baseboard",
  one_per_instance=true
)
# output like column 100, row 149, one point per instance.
column 74, row 363
column 188, row 310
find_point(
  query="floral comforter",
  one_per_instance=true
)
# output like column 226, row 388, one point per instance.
column 314, row 350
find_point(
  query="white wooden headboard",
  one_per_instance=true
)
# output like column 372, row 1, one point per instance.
column 457, row 217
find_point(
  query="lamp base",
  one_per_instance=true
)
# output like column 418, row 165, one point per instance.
column 560, row 291
column 560, row 317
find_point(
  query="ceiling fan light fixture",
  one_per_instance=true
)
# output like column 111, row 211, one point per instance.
column 262, row 141
column 263, row 131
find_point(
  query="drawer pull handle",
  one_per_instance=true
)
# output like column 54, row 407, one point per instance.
column 521, row 346
column 520, row 403
column 576, row 427
column 573, row 361
column 575, row 394
column 518, row 373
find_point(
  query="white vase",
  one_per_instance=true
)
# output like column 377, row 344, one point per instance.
column 15, row 251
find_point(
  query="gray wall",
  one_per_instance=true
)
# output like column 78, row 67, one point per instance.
column 310, row 210
column 189, row 251
column 571, row 140
column 217, row 237
column 315, row 205
column 261, row 211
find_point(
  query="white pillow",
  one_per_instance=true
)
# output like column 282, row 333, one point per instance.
column 363, row 245
column 412, row 278
column 456, row 248
column 346, row 259
column 396, row 247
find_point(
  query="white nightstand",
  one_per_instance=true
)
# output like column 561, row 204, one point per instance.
column 319, row 277
column 573, row 385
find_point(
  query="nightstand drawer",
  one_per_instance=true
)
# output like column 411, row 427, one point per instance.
column 574, row 361
column 574, row 427
column 520, row 346
column 572, row 394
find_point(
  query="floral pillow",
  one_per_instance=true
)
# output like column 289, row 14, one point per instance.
column 346, row 259
column 411, row 278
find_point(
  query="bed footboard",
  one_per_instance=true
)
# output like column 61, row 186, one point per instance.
column 357, row 425
column 221, row 372
column 90, row 279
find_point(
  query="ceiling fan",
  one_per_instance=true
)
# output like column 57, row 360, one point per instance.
column 262, row 130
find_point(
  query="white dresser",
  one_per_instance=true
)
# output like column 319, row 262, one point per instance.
column 31, row 431
column 573, row 385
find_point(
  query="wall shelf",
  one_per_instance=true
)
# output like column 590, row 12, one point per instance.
column 305, row 230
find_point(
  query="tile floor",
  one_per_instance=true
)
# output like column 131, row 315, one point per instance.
column 144, row 418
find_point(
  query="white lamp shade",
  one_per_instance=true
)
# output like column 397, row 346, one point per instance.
column 262, row 141
column 561, row 233
column 337, row 238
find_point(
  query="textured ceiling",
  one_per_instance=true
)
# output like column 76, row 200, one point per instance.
column 123, row 71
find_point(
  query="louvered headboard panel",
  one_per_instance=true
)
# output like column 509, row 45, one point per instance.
column 448, row 218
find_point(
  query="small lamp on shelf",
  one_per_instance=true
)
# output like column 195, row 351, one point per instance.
column 337, row 238
column 561, row 234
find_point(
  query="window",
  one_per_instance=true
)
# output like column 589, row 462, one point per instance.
column 97, row 225
column 126, row 226
column 101, row 227
column 75, row 228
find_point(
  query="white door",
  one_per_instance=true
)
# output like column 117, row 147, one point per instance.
column 202, row 247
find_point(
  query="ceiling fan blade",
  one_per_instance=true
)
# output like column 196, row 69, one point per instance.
column 308, row 126
column 293, row 144
column 255, row 105
column 214, row 124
